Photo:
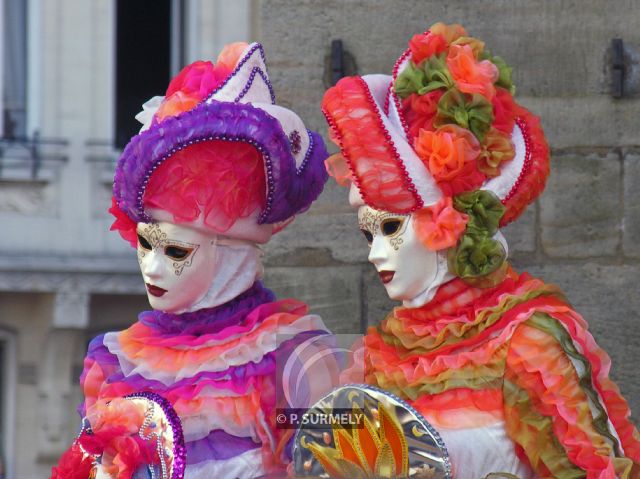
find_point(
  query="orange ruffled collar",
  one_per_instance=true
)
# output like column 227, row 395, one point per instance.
column 458, row 313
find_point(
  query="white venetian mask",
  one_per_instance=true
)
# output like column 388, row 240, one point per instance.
column 177, row 264
column 409, row 270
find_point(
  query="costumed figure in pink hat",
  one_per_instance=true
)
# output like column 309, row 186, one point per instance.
column 190, row 389
column 438, row 158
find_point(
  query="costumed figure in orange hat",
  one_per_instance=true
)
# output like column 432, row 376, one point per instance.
column 438, row 158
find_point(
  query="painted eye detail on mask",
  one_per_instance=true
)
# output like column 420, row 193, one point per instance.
column 391, row 226
column 144, row 244
column 177, row 253
column 367, row 235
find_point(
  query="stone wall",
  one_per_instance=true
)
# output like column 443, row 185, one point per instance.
column 583, row 234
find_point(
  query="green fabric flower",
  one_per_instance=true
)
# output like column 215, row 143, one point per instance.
column 411, row 80
column 473, row 112
column 504, row 78
column 484, row 209
column 476, row 255
column 504, row 71
column 431, row 74
column 437, row 73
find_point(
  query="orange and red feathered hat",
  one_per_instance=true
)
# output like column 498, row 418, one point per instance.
column 443, row 124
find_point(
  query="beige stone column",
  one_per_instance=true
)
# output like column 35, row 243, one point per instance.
column 55, row 382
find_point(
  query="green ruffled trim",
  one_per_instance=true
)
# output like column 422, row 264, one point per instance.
column 477, row 384
column 552, row 327
column 472, row 112
column 414, row 392
column 437, row 73
column 431, row 74
column 553, row 454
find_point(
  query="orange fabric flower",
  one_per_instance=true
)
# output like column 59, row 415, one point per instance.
column 446, row 150
column 230, row 54
column 477, row 46
column 450, row 32
column 470, row 75
column 419, row 111
column 424, row 45
column 439, row 226
column 338, row 169
column 496, row 149
column 177, row 103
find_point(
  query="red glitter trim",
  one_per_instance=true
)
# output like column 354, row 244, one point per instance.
column 386, row 99
column 399, row 61
column 535, row 169
column 396, row 101
column 527, row 160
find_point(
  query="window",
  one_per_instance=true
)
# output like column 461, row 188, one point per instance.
column 14, row 78
column 156, row 38
column 149, row 50
column 7, row 403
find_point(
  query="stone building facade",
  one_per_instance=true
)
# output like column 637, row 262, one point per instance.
column 64, row 277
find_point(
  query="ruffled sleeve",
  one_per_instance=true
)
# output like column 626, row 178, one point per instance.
column 566, row 417
column 99, row 367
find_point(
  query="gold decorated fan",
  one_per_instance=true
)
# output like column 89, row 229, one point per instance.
column 361, row 432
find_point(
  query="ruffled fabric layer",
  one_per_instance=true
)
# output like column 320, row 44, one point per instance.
column 549, row 394
column 515, row 354
column 170, row 360
column 375, row 166
column 220, row 180
column 211, row 320
column 219, row 372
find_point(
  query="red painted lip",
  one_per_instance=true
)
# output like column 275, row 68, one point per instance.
column 386, row 276
column 155, row 290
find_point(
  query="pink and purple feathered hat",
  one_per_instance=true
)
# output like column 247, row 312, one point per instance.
column 217, row 153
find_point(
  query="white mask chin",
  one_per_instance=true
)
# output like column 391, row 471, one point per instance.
column 186, row 269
